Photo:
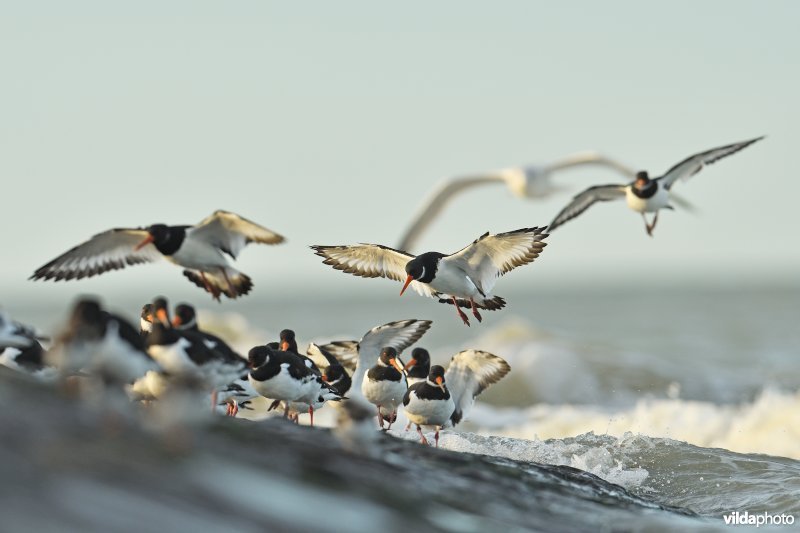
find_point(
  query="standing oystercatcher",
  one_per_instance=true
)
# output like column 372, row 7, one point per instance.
column 357, row 357
column 333, row 372
column 419, row 366
column 385, row 385
column 465, row 278
column 187, row 353
column 100, row 344
column 428, row 403
column 283, row 376
column 646, row 194
column 469, row 373
column 20, row 349
column 185, row 319
column 199, row 249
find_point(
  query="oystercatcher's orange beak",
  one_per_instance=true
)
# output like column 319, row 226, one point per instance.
column 284, row 346
column 409, row 279
column 161, row 315
column 410, row 364
column 440, row 382
column 144, row 243
column 176, row 322
column 395, row 364
column 324, row 378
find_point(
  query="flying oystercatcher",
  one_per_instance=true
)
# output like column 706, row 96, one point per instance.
column 532, row 181
column 465, row 278
column 646, row 194
column 444, row 397
column 199, row 249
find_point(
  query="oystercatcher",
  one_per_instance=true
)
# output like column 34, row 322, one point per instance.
column 101, row 344
column 185, row 319
column 428, row 403
column 20, row 349
column 469, row 373
column 466, row 277
column 191, row 353
column 385, row 385
column 284, row 376
column 646, row 194
column 199, row 249
column 533, row 181
column 418, row 367
column 333, row 372
column 357, row 357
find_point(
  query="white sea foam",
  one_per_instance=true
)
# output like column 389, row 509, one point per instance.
column 770, row 424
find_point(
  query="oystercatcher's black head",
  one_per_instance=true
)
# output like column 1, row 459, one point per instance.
column 288, row 342
column 642, row 179
column 185, row 317
column 422, row 268
column 258, row 356
column 87, row 311
column 337, row 378
column 161, row 311
column 389, row 358
column 436, row 376
column 166, row 239
column 419, row 364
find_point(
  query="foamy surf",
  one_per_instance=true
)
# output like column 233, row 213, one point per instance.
column 769, row 425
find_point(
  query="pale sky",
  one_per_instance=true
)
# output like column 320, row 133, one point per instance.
column 329, row 122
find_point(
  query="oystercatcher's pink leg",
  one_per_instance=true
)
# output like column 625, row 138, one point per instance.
column 460, row 312
column 311, row 414
column 424, row 440
column 437, row 435
column 231, row 288
column 652, row 226
column 380, row 418
column 475, row 312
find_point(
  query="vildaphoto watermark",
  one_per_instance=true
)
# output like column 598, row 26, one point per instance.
column 746, row 518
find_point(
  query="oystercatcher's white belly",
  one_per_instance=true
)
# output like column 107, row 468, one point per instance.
column 282, row 386
column 453, row 281
column 388, row 394
column 648, row 205
column 429, row 412
column 197, row 254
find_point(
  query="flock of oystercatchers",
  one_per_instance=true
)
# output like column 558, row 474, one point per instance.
column 174, row 353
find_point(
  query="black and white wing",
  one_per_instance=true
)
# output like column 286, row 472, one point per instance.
column 372, row 261
column 695, row 163
column 346, row 352
column 491, row 256
column 399, row 335
column 321, row 357
column 111, row 250
column 469, row 373
column 231, row 233
column 584, row 200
